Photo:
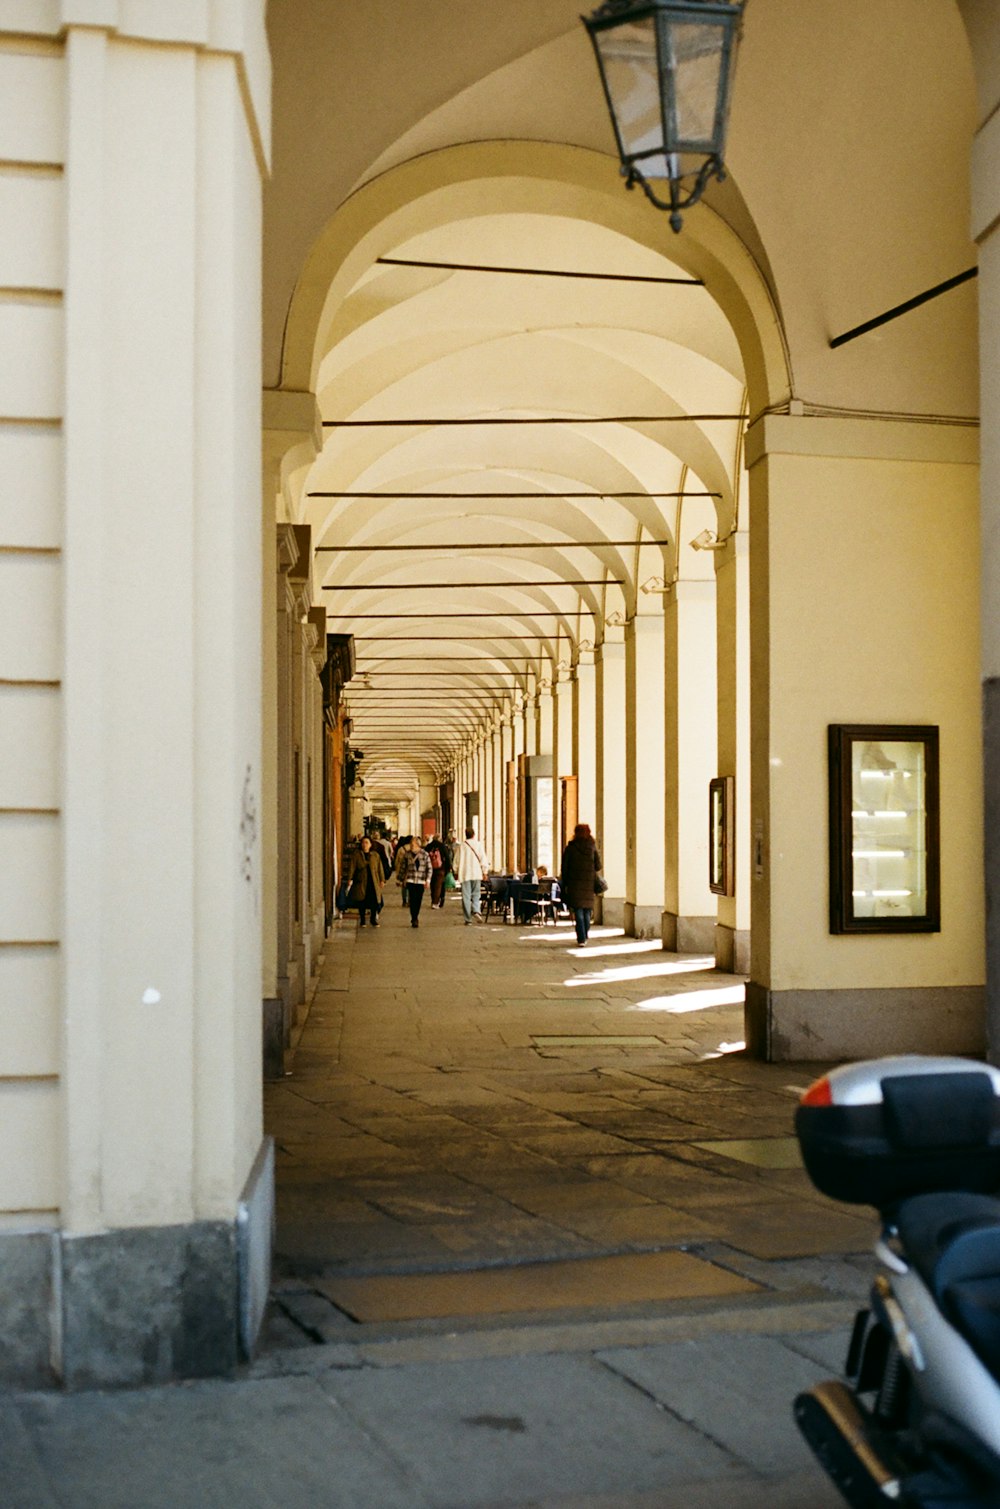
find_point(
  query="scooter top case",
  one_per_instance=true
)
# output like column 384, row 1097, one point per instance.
column 875, row 1132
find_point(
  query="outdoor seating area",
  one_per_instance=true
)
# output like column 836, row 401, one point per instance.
column 520, row 900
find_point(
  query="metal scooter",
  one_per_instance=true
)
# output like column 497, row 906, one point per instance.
column 917, row 1419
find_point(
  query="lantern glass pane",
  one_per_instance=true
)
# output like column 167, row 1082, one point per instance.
column 693, row 55
column 631, row 76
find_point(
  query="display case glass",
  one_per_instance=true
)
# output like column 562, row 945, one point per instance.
column 884, row 842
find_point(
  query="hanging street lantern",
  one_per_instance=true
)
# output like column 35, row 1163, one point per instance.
column 667, row 70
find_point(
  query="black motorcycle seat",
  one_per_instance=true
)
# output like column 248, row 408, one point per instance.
column 953, row 1241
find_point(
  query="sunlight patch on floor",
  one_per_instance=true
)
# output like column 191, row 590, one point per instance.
column 639, row 971
column 723, row 1049
column 692, row 1000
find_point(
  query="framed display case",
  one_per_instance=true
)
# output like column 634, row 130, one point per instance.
column 721, row 835
column 885, row 864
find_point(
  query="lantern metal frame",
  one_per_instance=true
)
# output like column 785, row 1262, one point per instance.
column 720, row 15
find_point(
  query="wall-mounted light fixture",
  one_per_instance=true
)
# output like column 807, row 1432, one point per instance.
column 667, row 70
column 657, row 584
column 707, row 541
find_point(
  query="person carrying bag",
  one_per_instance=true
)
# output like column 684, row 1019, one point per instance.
column 472, row 869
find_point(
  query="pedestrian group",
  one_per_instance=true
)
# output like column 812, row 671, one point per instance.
column 441, row 865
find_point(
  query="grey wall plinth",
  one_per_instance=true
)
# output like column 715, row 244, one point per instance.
column 641, row 921
column 827, row 1025
column 149, row 1304
column 732, row 950
column 274, row 1037
column 687, row 935
column 26, row 1296
column 613, row 911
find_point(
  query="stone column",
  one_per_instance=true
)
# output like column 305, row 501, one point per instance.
column 644, row 774
column 688, row 923
column 585, row 735
column 519, row 732
column 610, row 772
column 160, row 1010
column 860, row 503
column 564, row 758
column 292, row 437
column 496, row 839
column 504, row 859
column 732, row 591
column 314, row 914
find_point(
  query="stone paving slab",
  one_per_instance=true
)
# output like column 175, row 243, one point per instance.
column 284, row 1441
column 535, row 1287
column 525, row 1428
column 717, row 1384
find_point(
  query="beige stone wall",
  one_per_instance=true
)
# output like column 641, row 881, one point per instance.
column 32, row 279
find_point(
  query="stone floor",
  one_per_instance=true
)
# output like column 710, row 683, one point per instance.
column 469, row 1097
column 543, row 1242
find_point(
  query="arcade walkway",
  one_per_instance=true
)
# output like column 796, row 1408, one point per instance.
column 487, row 1120
column 542, row 1244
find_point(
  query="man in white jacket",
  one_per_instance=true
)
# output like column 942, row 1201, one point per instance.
column 471, row 868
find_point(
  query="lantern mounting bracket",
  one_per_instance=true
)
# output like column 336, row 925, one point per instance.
column 712, row 167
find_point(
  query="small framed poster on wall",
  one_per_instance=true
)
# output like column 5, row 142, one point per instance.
column 885, row 863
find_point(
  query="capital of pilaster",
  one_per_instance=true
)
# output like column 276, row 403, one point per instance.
column 701, row 591
column 290, row 417
column 215, row 26
column 317, row 623
column 295, row 565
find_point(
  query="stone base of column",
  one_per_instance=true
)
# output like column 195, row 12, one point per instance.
column 140, row 1305
column 291, row 989
column 275, row 1037
column 641, row 921
column 830, row 1025
column 26, row 1306
column 149, row 1304
column 732, row 950
column 687, row 935
column 612, row 911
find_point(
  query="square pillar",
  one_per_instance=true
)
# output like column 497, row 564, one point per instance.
column 732, row 596
column 689, row 915
column 610, row 772
column 585, row 735
column 644, row 774
column 860, row 503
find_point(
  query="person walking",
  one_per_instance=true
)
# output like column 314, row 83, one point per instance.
column 577, row 874
column 416, row 878
column 440, row 866
column 472, row 867
column 364, row 882
column 399, row 864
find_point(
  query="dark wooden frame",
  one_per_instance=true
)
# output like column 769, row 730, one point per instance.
column 841, row 736
column 722, row 835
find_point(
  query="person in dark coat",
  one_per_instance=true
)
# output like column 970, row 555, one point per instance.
column 364, row 882
column 440, row 868
column 580, row 865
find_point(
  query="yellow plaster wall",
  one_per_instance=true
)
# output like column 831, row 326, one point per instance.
column 870, row 614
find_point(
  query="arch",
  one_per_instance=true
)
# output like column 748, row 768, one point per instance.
column 525, row 177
